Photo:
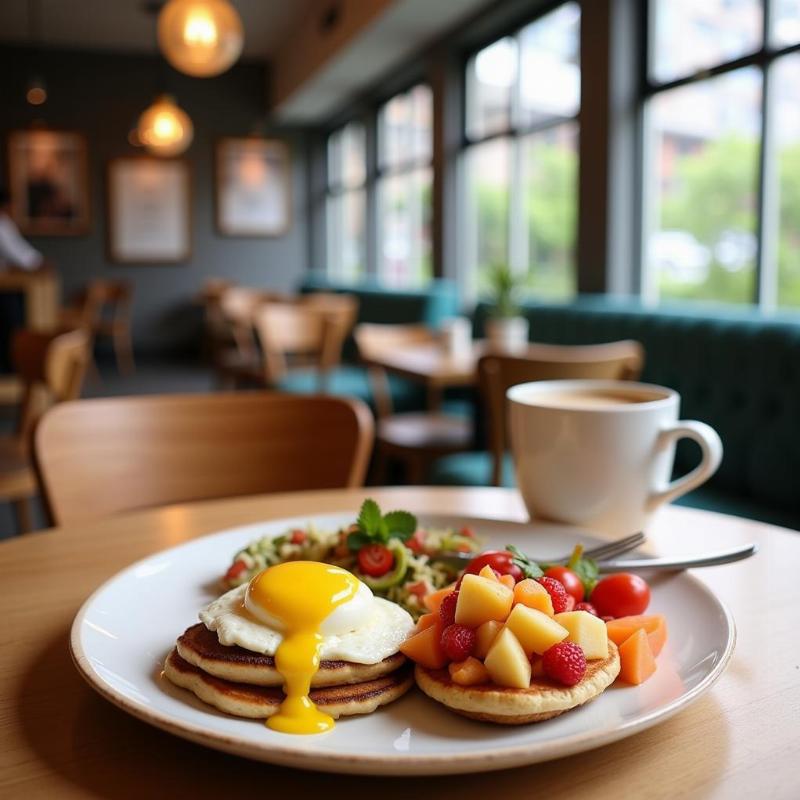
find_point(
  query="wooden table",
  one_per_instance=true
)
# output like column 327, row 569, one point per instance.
column 58, row 739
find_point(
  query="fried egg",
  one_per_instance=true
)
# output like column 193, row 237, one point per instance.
column 302, row 612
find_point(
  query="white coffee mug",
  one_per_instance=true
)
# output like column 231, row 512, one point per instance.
column 599, row 454
column 457, row 337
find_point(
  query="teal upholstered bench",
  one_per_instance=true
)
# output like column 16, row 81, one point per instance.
column 428, row 305
column 739, row 371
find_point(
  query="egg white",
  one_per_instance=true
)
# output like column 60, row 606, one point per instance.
column 376, row 631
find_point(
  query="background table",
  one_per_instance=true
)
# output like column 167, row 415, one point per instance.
column 58, row 739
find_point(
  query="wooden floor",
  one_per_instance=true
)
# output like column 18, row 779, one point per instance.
column 151, row 377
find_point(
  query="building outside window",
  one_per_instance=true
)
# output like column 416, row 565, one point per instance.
column 521, row 155
column 405, row 145
column 721, row 196
column 346, row 211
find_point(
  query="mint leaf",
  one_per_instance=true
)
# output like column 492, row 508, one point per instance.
column 401, row 524
column 357, row 539
column 369, row 518
column 383, row 530
column 530, row 569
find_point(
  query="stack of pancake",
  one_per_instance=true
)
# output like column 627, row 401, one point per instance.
column 246, row 684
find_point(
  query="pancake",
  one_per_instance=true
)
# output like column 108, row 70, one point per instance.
column 542, row 700
column 259, row 702
column 201, row 648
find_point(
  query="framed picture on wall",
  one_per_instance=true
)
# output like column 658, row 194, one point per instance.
column 253, row 186
column 149, row 210
column 48, row 182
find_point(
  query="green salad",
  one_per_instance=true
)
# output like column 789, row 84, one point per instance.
column 389, row 552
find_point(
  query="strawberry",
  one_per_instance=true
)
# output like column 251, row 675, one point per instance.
column 447, row 610
column 570, row 603
column 565, row 663
column 557, row 592
column 458, row 642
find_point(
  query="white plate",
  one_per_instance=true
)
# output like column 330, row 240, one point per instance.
column 125, row 629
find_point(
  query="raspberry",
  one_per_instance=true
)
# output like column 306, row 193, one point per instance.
column 564, row 662
column 447, row 610
column 458, row 642
column 586, row 607
column 557, row 592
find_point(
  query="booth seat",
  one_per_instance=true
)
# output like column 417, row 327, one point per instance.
column 737, row 370
column 378, row 303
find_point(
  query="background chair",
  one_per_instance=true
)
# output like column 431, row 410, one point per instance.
column 497, row 373
column 307, row 334
column 100, row 457
column 103, row 309
column 52, row 368
column 413, row 438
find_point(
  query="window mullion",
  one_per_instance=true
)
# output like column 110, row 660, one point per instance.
column 768, row 222
column 516, row 255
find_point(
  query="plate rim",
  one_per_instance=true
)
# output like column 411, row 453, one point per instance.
column 375, row 764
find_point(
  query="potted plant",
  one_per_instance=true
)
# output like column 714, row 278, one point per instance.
column 506, row 328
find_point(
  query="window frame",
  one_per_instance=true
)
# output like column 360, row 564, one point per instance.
column 515, row 132
column 765, row 291
column 381, row 172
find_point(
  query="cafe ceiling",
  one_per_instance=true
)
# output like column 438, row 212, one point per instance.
column 125, row 26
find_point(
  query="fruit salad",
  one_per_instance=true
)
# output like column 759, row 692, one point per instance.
column 389, row 552
column 508, row 620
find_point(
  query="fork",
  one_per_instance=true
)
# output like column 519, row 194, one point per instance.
column 601, row 552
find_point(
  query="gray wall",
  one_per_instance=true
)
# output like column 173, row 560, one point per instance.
column 102, row 96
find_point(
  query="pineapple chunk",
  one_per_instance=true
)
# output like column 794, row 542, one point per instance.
column 488, row 573
column 481, row 600
column 534, row 595
column 535, row 630
column 586, row 630
column 484, row 637
column 507, row 663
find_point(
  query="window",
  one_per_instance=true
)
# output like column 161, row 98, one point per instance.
column 722, row 145
column 346, row 202
column 521, row 154
column 404, row 187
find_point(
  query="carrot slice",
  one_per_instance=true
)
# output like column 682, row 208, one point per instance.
column 424, row 647
column 637, row 662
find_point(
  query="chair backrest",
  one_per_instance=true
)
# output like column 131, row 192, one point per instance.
column 52, row 367
column 545, row 362
column 237, row 306
column 100, row 457
column 306, row 331
column 373, row 339
column 341, row 311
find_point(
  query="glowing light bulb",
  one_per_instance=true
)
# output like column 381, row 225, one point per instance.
column 164, row 128
column 200, row 37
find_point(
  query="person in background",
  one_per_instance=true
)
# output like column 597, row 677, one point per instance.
column 15, row 254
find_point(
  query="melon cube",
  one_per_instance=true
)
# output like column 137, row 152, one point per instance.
column 587, row 631
column 507, row 663
column 481, row 600
column 533, row 595
column 484, row 636
column 469, row 672
column 535, row 631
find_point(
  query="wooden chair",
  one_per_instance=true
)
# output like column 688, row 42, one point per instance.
column 100, row 457
column 415, row 439
column 217, row 336
column 302, row 333
column 241, row 361
column 103, row 309
column 52, row 368
column 621, row 360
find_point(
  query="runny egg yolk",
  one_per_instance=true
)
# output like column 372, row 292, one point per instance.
column 300, row 595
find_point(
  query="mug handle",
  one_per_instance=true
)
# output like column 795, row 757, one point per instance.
column 710, row 444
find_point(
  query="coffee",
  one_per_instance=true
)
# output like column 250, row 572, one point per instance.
column 589, row 399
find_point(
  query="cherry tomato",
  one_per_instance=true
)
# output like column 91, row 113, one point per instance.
column 375, row 560
column 416, row 544
column 235, row 570
column 498, row 560
column 572, row 583
column 621, row 595
column 298, row 536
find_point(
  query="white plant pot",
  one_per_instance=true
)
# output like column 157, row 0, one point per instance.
column 507, row 335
